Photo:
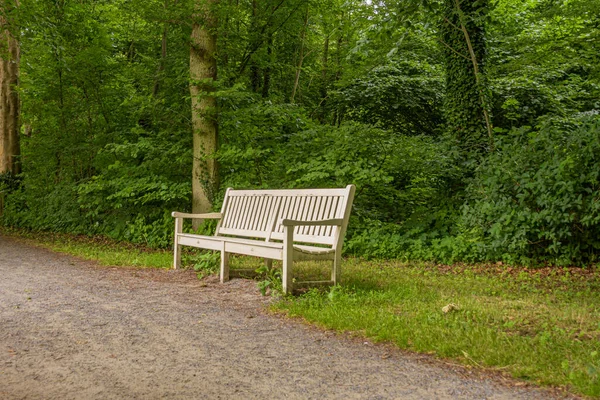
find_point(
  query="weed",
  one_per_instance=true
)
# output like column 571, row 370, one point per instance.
column 271, row 282
column 206, row 263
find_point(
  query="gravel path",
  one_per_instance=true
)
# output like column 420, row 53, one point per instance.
column 70, row 329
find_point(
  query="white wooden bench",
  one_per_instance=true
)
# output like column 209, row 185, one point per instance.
column 287, row 225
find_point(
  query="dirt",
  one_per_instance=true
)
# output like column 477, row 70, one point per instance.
column 71, row 329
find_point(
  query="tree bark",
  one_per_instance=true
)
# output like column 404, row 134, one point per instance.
column 478, row 76
column 301, row 56
column 464, row 46
column 9, row 97
column 267, row 74
column 163, row 56
column 323, row 84
column 254, row 71
column 203, row 73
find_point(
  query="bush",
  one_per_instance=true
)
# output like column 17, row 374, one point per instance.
column 537, row 198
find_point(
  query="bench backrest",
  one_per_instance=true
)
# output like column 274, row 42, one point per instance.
column 258, row 213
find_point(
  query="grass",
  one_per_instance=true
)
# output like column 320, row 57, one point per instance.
column 102, row 250
column 541, row 325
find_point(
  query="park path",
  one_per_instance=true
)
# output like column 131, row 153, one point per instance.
column 71, row 329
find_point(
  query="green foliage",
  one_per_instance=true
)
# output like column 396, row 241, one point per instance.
column 256, row 136
column 465, row 86
column 103, row 153
column 207, row 263
column 387, row 169
column 271, row 283
column 107, row 138
column 404, row 97
column 9, row 182
column 536, row 198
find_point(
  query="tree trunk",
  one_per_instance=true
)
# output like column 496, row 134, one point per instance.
column 203, row 73
column 300, row 57
column 254, row 71
column 163, row 56
column 9, row 97
column 467, row 116
column 323, row 84
column 267, row 74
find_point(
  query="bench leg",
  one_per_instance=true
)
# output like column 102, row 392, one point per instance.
column 288, row 259
column 268, row 263
column 286, row 278
column 177, row 257
column 176, row 246
column 335, row 273
column 224, row 275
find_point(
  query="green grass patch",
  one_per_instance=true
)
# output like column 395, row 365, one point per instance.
column 542, row 325
column 100, row 249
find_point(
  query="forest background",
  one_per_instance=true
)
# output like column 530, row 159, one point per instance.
column 470, row 128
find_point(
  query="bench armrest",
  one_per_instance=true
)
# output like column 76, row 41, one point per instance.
column 323, row 222
column 176, row 214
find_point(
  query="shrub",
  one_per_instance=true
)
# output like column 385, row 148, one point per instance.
column 538, row 196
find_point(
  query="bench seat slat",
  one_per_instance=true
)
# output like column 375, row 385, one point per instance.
column 216, row 243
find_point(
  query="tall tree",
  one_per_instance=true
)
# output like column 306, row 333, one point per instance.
column 463, row 40
column 9, row 97
column 203, row 73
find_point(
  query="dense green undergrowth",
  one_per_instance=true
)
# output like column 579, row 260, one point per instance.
column 540, row 325
column 534, row 201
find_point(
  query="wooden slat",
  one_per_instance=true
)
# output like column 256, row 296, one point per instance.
column 229, row 214
column 308, row 200
column 243, row 213
column 273, row 212
column 254, row 200
column 176, row 214
column 341, row 206
column 243, row 233
column 259, row 222
column 329, row 213
column 326, row 240
column 327, row 229
column 202, row 242
column 319, row 229
column 248, row 215
column 291, row 192
column 299, row 210
column 267, row 213
column 237, row 205
column 256, row 217
column 314, row 215
column 308, row 204
column 255, row 250
column 281, row 213
column 296, row 211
